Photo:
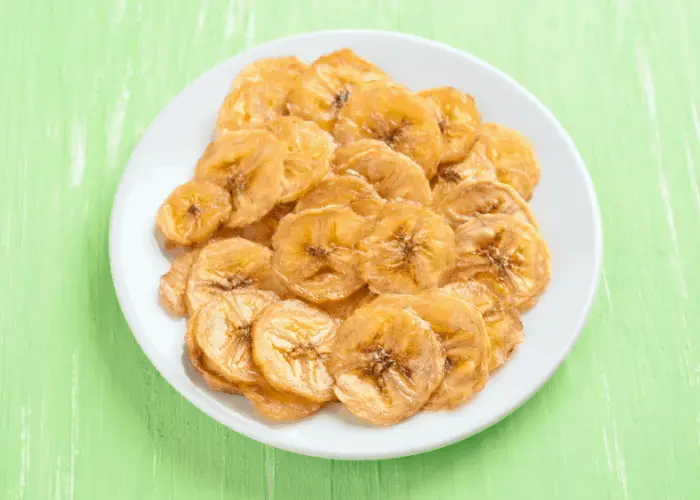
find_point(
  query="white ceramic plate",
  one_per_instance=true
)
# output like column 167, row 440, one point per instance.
column 564, row 203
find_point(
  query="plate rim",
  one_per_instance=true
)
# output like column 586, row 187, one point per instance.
column 209, row 408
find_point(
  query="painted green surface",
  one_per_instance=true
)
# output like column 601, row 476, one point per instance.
column 83, row 414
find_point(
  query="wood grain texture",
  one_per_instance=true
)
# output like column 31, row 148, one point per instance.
column 83, row 414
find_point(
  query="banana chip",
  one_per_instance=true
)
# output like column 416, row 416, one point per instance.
column 386, row 362
column 410, row 249
column 399, row 118
column 513, row 156
column 323, row 89
column 206, row 368
column 226, row 265
column 502, row 320
column 193, row 212
column 350, row 191
column 222, row 330
column 259, row 93
column 249, row 164
column 291, row 345
column 316, row 253
column 470, row 199
column 458, row 119
column 506, row 255
column 463, row 335
column 475, row 167
column 309, row 151
column 393, row 175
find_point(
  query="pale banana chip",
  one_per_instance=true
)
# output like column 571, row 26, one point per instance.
column 458, row 119
column 226, row 265
column 470, row 199
column 316, row 253
column 173, row 284
column 309, row 151
column 410, row 249
column 394, row 115
column 193, row 212
column 249, row 164
column 506, row 255
column 513, row 156
column 386, row 362
column 464, row 337
column 351, row 191
column 291, row 345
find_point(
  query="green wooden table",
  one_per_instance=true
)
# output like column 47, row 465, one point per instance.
column 84, row 415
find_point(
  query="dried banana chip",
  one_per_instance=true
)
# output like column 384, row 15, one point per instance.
column 206, row 368
column 506, row 255
column 226, row 265
column 476, row 167
column 291, row 345
column 386, row 362
column 458, row 119
column 278, row 405
column 513, row 156
column 249, row 164
column 392, row 114
column 259, row 93
column 470, row 199
column 410, row 249
column 173, row 284
column 350, row 191
column 502, row 320
column 193, row 212
column 222, row 330
column 309, row 151
column 322, row 90
column 393, row 175
column 316, row 255
column 463, row 335
column 343, row 308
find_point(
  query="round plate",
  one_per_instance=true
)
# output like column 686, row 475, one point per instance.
column 564, row 203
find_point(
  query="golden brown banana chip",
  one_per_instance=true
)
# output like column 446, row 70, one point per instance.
column 316, row 253
column 291, row 345
column 470, row 199
column 463, row 335
column 350, row 191
column 309, row 151
column 261, row 231
column 506, row 255
column 392, row 114
column 193, row 212
column 475, row 167
column 259, row 93
column 173, row 284
column 458, row 119
column 393, row 175
column 206, row 369
column 322, row 90
column 249, row 164
column 222, row 330
column 410, row 249
column 386, row 362
column 278, row 405
column 513, row 156
column 226, row 265
column 502, row 320
column 343, row 308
